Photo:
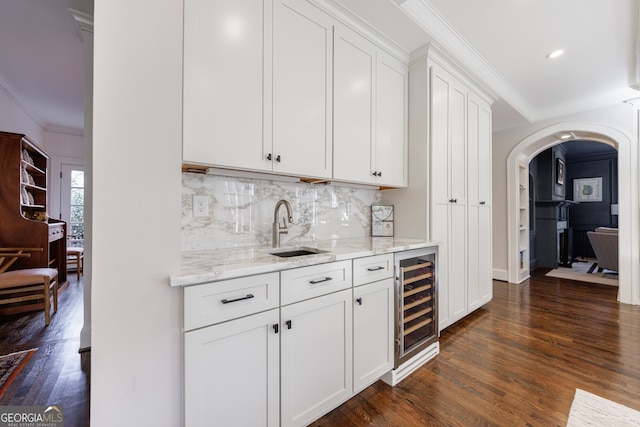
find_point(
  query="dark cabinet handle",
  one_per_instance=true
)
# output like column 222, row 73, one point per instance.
column 278, row 159
column 227, row 301
column 376, row 173
column 380, row 174
column 269, row 156
column 288, row 322
column 453, row 200
column 326, row 279
column 483, row 202
column 375, row 269
column 276, row 328
column 359, row 301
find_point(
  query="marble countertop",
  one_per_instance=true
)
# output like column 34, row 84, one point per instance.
column 220, row 264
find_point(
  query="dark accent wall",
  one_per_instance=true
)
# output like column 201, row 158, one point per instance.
column 550, row 192
column 548, row 187
column 533, row 233
column 587, row 216
column 583, row 159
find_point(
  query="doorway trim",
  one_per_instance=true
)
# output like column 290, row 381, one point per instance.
column 628, row 243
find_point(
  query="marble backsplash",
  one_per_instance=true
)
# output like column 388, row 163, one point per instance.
column 241, row 211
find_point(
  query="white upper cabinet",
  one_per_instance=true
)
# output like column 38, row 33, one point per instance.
column 353, row 90
column 260, row 95
column 370, row 112
column 302, row 83
column 223, row 80
column 391, row 121
column 257, row 86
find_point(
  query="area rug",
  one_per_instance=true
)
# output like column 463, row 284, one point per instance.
column 580, row 271
column 11, row 365
column 590, row 410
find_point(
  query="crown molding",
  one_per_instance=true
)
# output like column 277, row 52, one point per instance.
column 14, row 96
column 354, row 22
column 461, row 53
column 84, row 23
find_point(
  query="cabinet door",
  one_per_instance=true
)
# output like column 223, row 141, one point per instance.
column 391, row 121
column 373, row 310
column 354, row 60
column 231, row 367
column 449, row 189
column 223, row 83
column 485, row 255
column 458, row 178
column 302, row 89
column 474, row 225
column 480, row 284
column 316, row 357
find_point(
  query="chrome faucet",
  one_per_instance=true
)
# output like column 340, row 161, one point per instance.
column 277, row 230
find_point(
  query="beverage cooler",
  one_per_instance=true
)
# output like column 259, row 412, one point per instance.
column 416, row 304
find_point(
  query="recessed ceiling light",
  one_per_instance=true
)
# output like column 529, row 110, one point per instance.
column 556, row 53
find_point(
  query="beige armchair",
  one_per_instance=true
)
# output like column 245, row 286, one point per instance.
column 604, row 242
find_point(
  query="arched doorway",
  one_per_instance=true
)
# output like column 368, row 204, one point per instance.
column 517, row 170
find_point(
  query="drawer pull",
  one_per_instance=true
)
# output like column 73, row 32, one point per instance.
column 315, row 282
column 359, row 301
column 288, row 323
column 227, row 301
column 276, row 328
column 375, row 268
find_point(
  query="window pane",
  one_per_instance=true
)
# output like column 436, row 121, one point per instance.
column 77, row 214
column 77, row 178
column 77, row 196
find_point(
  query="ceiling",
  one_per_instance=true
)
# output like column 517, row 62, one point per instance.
column 42, row 65
column 502, row 43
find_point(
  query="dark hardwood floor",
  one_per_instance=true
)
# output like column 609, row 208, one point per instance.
column 53, row 375
column 515, row 362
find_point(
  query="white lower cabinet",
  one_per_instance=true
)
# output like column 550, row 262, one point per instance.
column 372, row 332
column 232, row 373
column 315, row 359
column 288, row 364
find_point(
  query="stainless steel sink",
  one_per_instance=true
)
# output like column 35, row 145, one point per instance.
column 289, row 253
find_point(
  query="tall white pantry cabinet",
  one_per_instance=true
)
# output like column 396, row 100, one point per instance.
column 449, row 195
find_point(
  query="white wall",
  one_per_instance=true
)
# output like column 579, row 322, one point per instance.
column 14, row 119
column 619, row 117
column 63, row 149
column 63, row 145
column 136, row 330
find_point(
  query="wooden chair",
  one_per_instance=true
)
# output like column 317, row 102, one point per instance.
column 75, row 258
column 28, row 284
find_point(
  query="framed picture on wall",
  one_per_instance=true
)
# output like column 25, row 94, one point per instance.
column 587, row 189
column 559, row 171
column 382, row 221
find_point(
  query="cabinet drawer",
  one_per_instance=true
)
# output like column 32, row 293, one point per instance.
column 310, row 282
column 219, row 301
column 371, row 269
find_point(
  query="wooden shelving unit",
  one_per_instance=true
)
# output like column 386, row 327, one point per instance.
column 23, row 207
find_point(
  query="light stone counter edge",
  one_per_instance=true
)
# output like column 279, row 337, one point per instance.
column 221, row 264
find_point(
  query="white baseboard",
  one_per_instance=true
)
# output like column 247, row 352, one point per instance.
column 394, row 376
column 500, row 274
